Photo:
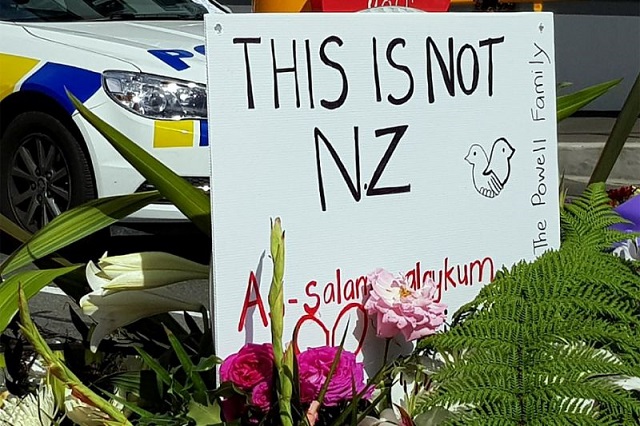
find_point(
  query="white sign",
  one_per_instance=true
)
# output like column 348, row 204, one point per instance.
column 424, row 144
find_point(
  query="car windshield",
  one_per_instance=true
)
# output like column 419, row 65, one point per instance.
column 104, row 10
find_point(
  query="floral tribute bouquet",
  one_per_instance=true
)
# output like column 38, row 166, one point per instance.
column 320, row 384
column 250, row 371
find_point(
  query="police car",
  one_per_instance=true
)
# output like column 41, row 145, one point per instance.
column 137, row 64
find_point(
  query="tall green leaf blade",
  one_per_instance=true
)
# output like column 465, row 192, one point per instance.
column 200, row 393
column 76, row 224
column 569, row 104
column 59, row 369
column 32, row 282
column 154, row 365
column 13, row 230
column 191, row 201
column 619, row 135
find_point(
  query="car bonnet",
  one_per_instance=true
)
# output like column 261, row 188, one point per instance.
column 168, row 48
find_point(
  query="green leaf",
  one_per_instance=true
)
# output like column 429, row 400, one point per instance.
column 563, row 85
column 13, row 230
column 200, row 393
column 129, row 405
column 207, row 364
column 125, row 382
column 161, row 372
column 619, row 135
column 334, row 365
column 432, row 417
column 76, row 224
column 205, row 415
column 59, row 369
column 194, row 329
column 191, row 201
column 569, row 104
column 32, row 282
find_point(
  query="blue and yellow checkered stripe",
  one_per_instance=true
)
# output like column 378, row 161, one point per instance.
column 177, row 134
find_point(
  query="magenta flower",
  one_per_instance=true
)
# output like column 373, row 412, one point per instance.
column 314, row 365
column 400, row 309
column 251, row 365
column 261, row 396
column 233, row 408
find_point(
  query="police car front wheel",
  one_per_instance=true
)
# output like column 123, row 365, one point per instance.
column 43, row 170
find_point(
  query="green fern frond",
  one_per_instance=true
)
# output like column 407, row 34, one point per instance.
column 587, row 221
column 545, row 341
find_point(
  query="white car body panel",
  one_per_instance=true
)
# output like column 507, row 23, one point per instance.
column 79, row 52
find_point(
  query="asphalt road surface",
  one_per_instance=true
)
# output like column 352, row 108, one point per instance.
column 50, row 308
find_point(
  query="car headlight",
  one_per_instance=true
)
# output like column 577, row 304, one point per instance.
column 156, row 97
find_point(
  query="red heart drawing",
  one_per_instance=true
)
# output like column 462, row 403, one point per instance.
column 331, row 338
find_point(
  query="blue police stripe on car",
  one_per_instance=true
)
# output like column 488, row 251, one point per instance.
column 52, row 79
column 204, row 133
column 174, row 57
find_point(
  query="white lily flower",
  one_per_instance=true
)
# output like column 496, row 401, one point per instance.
column 123, row 294
column 143, row 271
column 36, row 409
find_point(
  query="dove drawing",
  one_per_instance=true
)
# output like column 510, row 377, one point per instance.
column 500, row 160
column 490, row 174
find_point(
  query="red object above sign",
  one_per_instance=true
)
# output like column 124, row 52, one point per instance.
column 357, row 5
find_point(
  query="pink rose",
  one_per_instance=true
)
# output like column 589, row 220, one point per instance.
column 313, row 367
column 400, row 309
column 261, row 396
column 249, row 366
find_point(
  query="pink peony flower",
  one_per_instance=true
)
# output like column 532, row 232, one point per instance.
column 252, row 364
column 261, row 396
column 400, row 309
column 313, row 367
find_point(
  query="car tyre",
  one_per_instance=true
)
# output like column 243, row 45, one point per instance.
column 43, row 170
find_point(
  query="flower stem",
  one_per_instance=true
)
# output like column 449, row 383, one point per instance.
column 388, row 381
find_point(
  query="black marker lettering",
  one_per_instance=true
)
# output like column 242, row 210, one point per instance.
column 354, row 189
column 345, row 84
column 490, row 42
column 476, row 70
column 247, row 68
column 403, row 68
column 398, row 132
column 447, row 74
column 276, row 71
column 309, row 73
column 376, row 72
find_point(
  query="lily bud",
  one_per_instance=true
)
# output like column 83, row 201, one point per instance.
column 143, row 271
column 131, row 287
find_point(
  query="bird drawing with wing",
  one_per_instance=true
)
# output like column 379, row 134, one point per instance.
column 490, row 174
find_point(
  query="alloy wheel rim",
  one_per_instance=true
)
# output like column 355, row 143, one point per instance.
column 39, row 184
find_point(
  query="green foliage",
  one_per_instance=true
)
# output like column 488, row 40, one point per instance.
column 32, row 282
column 74, row 225
column 190, row 200
column 177, row 388
column 586, row 220
column 61, row 372
column 545, row 341
column 205, row 415
column 283, row 361
column 567, row 105
column 619, row 134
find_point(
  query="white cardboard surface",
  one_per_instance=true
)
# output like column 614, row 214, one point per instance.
column 432, row 209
